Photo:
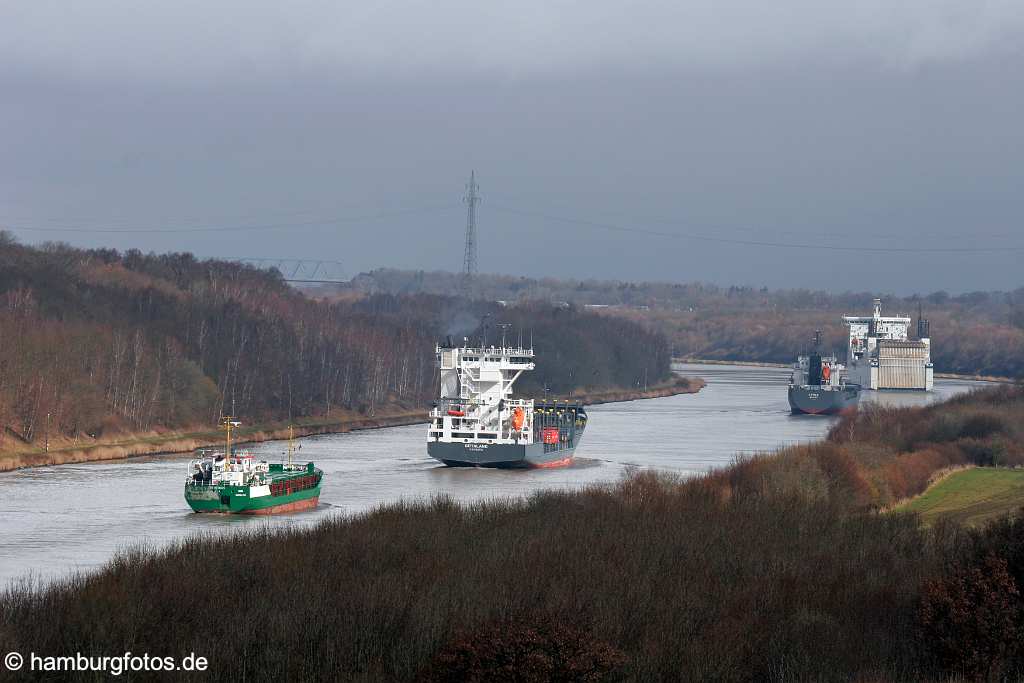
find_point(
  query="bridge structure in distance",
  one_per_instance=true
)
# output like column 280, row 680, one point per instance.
column 298, row 270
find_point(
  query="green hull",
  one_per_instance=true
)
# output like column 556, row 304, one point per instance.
column 285, row 493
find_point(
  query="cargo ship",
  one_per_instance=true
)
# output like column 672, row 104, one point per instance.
column 236, row 483
column 476, row 421
column 819, row 385
column 882, row 356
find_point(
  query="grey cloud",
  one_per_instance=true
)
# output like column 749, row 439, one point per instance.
column 194, row 41
column 867, row 123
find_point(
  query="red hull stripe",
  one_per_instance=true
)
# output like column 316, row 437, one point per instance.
column 554, row 463
column 294, row 506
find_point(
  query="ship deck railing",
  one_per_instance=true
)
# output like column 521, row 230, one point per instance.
column 492, row 350
column 471, row 406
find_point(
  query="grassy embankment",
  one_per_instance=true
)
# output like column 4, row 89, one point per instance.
column 778, row 567
column 64, row 451
column 971, row 497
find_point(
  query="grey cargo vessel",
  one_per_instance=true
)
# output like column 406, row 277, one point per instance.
column 476, row 422
column 819, row 385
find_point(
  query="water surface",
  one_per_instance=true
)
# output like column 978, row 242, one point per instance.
column 57, row 519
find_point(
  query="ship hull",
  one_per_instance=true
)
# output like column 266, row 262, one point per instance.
column 814, row 400
column 534, row 455
column 244, row 500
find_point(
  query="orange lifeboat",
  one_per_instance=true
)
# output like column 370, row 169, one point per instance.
column 456, row 412
column 518, row 418
column 826, row 372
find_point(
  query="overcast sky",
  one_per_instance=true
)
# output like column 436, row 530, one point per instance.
column 683, row 140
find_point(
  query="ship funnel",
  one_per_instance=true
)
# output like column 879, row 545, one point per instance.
column 817, row 339
column 814, row 368
column 878, row 308
column 923, row 327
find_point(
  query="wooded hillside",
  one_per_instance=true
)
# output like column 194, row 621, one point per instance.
column 972, row 333
column 95, row 341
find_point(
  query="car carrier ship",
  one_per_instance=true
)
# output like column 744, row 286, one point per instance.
column 819, row 385
column 235, row 482
column 476, row 422
column 882, row 356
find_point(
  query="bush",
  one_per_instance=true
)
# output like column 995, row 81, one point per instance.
column 947, row 426
column 688, row 585
column 1003, row 538
column 899, row 450
column 539, row 648
column 985, row 452
column 970, row 621
column 845, row 478
column 983, row 424
column 909, row 474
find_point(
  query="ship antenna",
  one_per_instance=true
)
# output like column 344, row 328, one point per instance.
column 483, row 330
column 471, row 200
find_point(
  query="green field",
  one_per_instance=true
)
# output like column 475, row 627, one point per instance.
column 971, row 497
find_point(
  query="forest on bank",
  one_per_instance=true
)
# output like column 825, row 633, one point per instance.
column 784, row 566
column 96, row 341
column 972, row 333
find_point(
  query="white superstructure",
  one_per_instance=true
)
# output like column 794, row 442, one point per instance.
column 241, row 469
column 476, row 404
column 832, row 377
column 882, row 356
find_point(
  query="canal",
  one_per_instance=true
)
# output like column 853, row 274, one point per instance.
column 55, row 520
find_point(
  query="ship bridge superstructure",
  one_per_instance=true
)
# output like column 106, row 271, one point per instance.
column 475, row 402
column 881, row 355
column 865, row 331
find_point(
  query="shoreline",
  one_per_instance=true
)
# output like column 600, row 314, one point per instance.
column 674, row 387
column 743, row 363
column 761, row 364
column 188, row 439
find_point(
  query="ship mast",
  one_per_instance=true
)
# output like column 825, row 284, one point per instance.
column 291, row 444
column 227, row 422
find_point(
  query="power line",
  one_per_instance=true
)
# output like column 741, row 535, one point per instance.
column 544, row 203
column 753, row 243
column 185, row 221
column 237, row 228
